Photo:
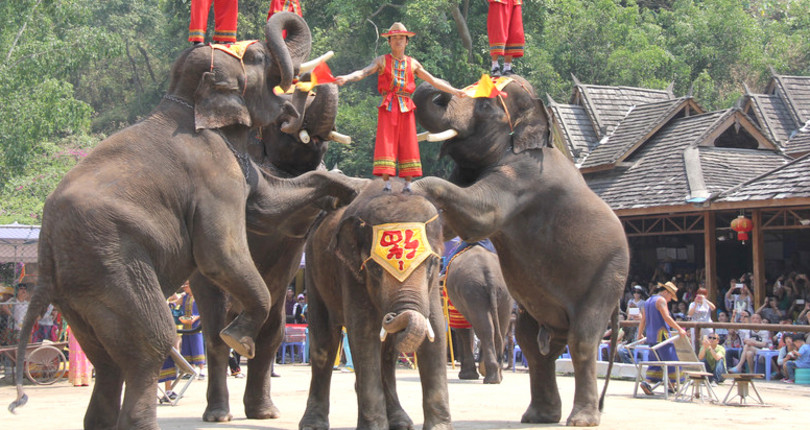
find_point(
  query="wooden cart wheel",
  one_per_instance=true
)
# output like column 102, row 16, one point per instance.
column 45, row 365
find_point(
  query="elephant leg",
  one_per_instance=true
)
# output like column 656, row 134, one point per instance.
column 211, row 304
column 398, row 419
column 466, row 354
column 228, row 263
column 257, row 400
column 433, row 371
column 364, row 341
column 490, row 358
column 105, row 401
column 583, row 344
column 323, row 345
column 545, row 405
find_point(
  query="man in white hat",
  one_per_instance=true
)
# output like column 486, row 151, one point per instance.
column 396, row 144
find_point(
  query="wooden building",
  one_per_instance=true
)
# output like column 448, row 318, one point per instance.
column 677, row 176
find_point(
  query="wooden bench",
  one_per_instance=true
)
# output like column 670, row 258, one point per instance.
column 742, row 381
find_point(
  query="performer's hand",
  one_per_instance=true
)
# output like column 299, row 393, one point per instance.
column 340, row 80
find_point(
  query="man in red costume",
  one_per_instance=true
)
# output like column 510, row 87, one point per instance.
column 505, row 32
column 396, row 144
column 284, row 6
column 225, row 17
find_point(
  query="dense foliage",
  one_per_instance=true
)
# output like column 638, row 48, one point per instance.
column 73, row 72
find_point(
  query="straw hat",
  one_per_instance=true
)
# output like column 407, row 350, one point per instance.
column 671, row 288
column 398, row 29
column 6, row 290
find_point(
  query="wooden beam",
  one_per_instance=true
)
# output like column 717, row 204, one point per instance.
column 710, row 255
column 758, row 256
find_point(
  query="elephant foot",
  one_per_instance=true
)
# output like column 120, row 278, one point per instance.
column 309, row 422
column 585, row 417
column 213, row 415
column 439, row 426
column 243, row 345
column 493, row 378
column 262, row 413
column 468, row 374
column 535, row 415
column 399, row 420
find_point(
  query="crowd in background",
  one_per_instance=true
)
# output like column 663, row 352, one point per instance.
column 786, row 302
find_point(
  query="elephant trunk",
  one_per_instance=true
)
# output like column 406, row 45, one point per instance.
column 292, row 125
column 322, row 111
column 410, row 326
column 290, row 52
column 432, row 112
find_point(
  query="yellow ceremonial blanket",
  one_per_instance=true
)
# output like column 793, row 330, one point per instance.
column 237, row 49
column 476, row 90
column 400, row 247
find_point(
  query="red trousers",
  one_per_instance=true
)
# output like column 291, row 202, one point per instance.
column 396, row 141
column 225, row 17
column 505, row 29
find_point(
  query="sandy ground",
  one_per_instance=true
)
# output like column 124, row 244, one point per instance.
column 473, row 405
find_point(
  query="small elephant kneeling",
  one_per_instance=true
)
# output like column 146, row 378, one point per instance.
column 352, row 248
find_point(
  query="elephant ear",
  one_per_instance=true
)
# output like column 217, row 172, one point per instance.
column 531, row 126
column 219, row 103
column 352, row 243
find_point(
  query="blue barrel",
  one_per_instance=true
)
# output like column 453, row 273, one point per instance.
column 803, row 376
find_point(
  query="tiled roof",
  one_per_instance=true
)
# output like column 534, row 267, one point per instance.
column 724, row 168
column 608, row 105
column 800, row 143
column 772, row 115
column 795, row 90
column 576, row 128
column 791, row 180
column 667, row 166
column 639, row 124
column 658, row 178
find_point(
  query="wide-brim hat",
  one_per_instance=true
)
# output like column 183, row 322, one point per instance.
column 398, row 29
column 671, row 288
column 6, row 290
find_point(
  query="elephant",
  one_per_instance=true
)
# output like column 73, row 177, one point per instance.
column 385, row 312
column 476, row 287
column 562, row 250
column 163, row 198
column 277, row 254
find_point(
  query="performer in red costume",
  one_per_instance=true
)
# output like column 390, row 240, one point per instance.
column 505, row 32
column 284, row 6
column 396, row 144
column 225, row 17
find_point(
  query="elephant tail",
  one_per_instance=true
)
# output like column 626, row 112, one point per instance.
column 614, row 340
column 39, row 303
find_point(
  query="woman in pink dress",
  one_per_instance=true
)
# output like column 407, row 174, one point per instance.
column 81, row 370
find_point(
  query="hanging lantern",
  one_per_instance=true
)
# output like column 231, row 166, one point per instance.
column 742, row 226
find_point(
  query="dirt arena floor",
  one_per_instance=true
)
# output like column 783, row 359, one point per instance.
column 473, row 405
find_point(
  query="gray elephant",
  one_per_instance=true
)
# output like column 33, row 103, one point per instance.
column 563, row 251
column 380, row 281
column 476, row 287
column 170, row 195
column 276, row 253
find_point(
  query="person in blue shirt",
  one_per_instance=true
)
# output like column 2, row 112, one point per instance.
column 800, row 356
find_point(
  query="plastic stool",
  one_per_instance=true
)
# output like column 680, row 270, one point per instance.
column 802, row 376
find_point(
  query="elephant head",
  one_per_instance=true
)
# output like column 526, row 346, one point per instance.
column 227, row 90
column 479, row 131
column 298, row 145
column 404, row 303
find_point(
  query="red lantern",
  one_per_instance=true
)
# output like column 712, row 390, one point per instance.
column 742, row 226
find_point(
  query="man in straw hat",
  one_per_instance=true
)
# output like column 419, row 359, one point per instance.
column 396, row 144
column 655, row 325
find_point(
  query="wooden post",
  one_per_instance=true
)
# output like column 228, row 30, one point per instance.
column 710, row 254
column 758, row 256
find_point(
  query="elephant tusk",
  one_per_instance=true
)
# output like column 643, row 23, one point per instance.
column 423, row 136
column 430, row 334
column 340, row 138
column 445, row 135
column 304, row 136
column 309, row 65
column 383, row 334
